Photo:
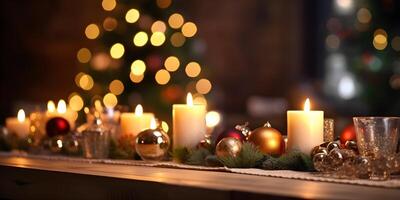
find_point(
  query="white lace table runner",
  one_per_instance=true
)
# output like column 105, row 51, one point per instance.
column 310, row 176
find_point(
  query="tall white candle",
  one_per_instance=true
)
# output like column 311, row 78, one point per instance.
column 305, row 129
column 134, row 123
column 189, row 123
column 18, row 125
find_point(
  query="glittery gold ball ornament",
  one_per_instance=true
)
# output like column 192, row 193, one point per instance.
column 268, row 140
column 152, row 144
column 228, row 147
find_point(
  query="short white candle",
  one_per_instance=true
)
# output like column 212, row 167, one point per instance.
column 18, row 125
column 189, row 124
column 134, row 123
column 305, row 129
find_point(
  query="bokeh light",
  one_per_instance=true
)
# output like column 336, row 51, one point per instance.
column 396, row 43
column 140, row 39
column 203, row 86
column 117, row 51
column 175, row 20
column 108, row 5
column 158, row 26
column 332, row 41
column 110, row 24
column 199, row 99
column 136, row 78
column 157, row 38
column 100, row 61
column 193, row 69
column 86, row 82
column 162, row 77
column 110, row 100
column 171, row 63
column 213, row 118
column 76, row 102
column 189, row 29
column 92, row 31
column 132, row 16
column 116, row 87
column 78, row 78
column 177, row 39
column 380, row 39
column 84, row 55
column 163, row 3
column 164, row 126
column 364, row 16
column 138, row 67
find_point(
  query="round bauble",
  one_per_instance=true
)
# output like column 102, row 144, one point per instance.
column 152, row 144
column 228, row 147
column 72, row 144
column 56, row 144
column 231, row 133
column 349, row 133
column 268, row 140
column 57, row 126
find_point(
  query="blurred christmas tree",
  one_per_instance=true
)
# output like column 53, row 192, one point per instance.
column 362, row 62
column 142, row 52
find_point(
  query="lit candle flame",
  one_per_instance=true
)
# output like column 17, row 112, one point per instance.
column 307, row 105
column 51, row 107
column 189, row 99
column 153, row 123
column 139, row 110
column 21, row 115
column 61, row 106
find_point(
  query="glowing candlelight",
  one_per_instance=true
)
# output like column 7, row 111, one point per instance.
column 18, row 125
column 134, row 123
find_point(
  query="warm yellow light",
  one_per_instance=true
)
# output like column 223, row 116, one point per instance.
column 21, row 115
column 92, row 31
column 380, row 31
column 51, row 106
column 189, row 29
column 76, row 102
column 193, row 69
column 78, row 78
column 164, row 126
column 157, row 38
column 138, row 67
column 86, row 82
column 177, row 39
column 203, row 86
column 307, row 106
column 108, row 5
column 189, row 99
column 162, row 77
column 139, row 110
column 132, row 15
column 171, row 63
column 98, row 106
column 117, row 50
column 364, row 16
column 175, row 20
column 136, row 78
column 212, row 119
column 116, row 87
column 158, row 26
column 110, row 100
column 140, row 39
column 86, row 110
column 110, row 24
column 380, row 42
column 61, row 106
column 153, row 123
column 83, row 55
column 199, row 99
column 163, row 3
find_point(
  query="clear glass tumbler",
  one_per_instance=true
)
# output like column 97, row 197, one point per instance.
column 377, row 139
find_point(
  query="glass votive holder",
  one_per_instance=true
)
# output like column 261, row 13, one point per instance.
column 377, row 139
column 96, row 140
column 329, row 130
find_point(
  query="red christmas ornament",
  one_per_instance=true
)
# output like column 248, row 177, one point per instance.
column 349, row 133
column 233, row 133
column 57, row 126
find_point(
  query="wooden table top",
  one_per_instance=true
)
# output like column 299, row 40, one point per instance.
column 210, row 180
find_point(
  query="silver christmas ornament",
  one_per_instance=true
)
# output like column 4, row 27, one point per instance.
column 152, row 144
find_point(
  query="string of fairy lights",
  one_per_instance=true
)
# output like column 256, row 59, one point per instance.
column 180, row 30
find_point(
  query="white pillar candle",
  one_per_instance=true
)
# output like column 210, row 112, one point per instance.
column 305, row 129
column 189, row 124
column 18, row 125
column 134, row 123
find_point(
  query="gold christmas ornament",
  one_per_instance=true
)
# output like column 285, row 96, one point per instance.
column 228, row 147
column 152, row 144
column 268, row 140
